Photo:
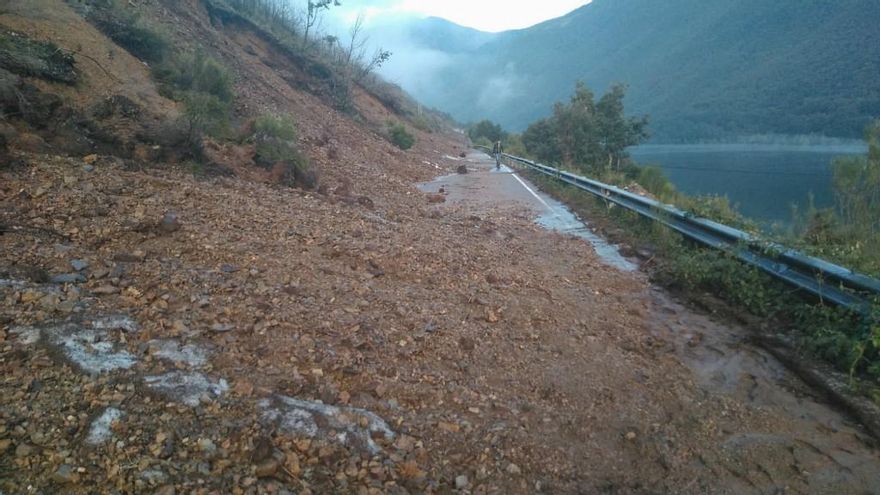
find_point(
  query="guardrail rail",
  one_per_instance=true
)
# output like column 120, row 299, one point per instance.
column 822, row 279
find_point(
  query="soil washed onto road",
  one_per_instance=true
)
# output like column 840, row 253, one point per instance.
column 163, row 334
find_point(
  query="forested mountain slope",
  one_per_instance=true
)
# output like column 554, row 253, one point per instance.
column 703, row 69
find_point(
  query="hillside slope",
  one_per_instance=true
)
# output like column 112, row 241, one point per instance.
column 701, row 69
column 186, row 324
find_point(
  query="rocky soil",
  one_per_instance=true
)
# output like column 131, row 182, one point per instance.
column 166, row 334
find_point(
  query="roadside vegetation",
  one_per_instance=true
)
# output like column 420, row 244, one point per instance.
column 590, row 138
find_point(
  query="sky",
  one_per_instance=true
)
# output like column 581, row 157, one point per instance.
column 485, row 15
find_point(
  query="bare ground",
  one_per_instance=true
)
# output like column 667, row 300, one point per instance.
column 502, row 357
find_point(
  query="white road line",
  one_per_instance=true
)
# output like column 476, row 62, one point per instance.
column 529, row 189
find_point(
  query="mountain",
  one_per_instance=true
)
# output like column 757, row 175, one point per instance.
column 702, row 69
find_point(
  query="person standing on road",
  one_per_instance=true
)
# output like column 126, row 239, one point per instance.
column 497, row 150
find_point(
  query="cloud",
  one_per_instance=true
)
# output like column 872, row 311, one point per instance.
column 500, row 89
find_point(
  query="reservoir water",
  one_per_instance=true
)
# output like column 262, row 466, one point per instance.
column 764, row 182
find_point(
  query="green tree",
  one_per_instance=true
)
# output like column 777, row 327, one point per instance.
column 313, row 14
column 584, row 133
column 857, row 188
column 616, row 132
column 487, row 129
column 540, row 141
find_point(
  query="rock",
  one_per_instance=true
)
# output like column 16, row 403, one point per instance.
column 90, row 168
column 170, row 223
column 23, row 450
column 630, row 435
column 492, row 317
column 513, row 469
column 132, row 257
column 79, row 265
column 154, row 476
column 227, row 268
column 267, row 468
column 222, row 328
column 462, row 155
column 166, row 490
column 461, row 482
column 105, row 290
column 90, row 159
column 68, row 278
column 207, row 447
column 462, row 169
column 102, row 428
column 65, row 475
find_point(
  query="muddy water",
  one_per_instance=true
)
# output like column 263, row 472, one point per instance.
column 822, row 450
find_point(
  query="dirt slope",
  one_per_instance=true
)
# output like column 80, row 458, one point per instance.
column 163, row 333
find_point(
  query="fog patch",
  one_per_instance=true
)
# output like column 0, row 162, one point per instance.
column 501, row 89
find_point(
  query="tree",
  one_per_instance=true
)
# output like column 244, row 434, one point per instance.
column 857, row 187
column 584, row 133
column 487, row 129
column 617, row 132
column 540, row 141
column 313, row 14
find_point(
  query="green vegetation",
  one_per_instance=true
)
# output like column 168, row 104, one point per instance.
column 275, row 139
column 586, row 134
column 204, row 113
column 195, row 73
column 399, row 136
column 26, row 57
column 486, row 129
column 703, row 70
column 847, row 234
column 128, row 30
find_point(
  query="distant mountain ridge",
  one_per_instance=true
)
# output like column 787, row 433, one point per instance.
column 702, row 69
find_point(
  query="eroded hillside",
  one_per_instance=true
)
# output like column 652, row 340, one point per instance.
column 170, row 325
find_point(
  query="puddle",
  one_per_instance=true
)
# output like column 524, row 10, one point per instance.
column 561, row 219
column 487, row 187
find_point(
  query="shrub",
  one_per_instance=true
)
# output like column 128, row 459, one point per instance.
column 129, row 31
column 196, row 72
column 275, row 140
column 399, row 136
column 281, row 127
column 205, row 114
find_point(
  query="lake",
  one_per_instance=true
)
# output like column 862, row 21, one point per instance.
column 762, row 181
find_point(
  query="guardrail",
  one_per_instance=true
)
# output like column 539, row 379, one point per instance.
column 824, row 280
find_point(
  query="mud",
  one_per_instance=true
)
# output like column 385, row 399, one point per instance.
column 825, row 449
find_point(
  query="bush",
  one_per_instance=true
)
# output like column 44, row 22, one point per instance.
column 196, row 72
column 281, row 127
column 205, row 114
column 399, row 136
column 129, row 31
column 275, row 140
